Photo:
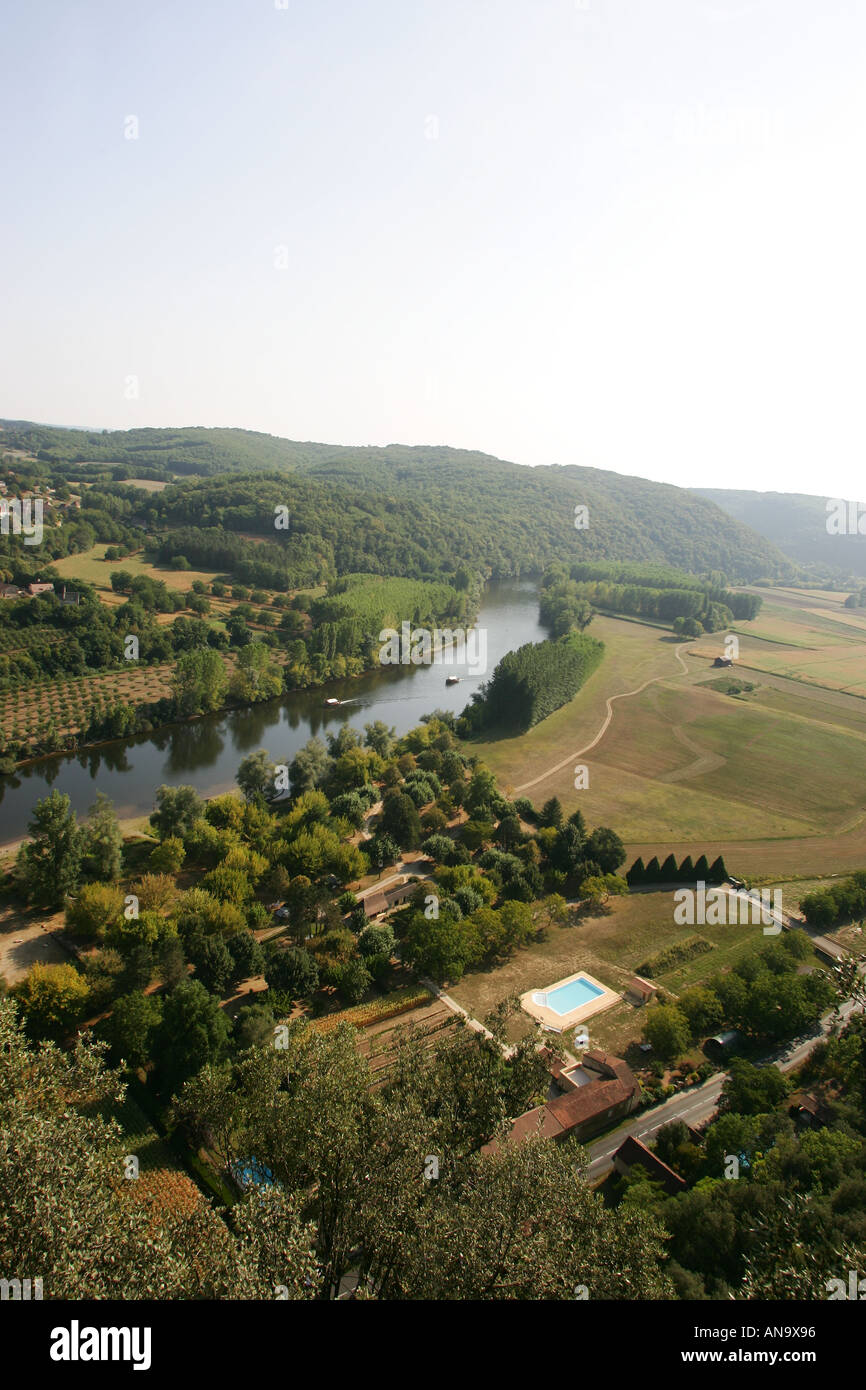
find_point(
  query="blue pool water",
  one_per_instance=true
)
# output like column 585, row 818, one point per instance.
column 571, row 996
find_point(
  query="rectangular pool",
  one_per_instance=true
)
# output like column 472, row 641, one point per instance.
column 570, row 996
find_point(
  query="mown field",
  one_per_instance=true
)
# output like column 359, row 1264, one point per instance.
column 805, row 638
column 772, row 779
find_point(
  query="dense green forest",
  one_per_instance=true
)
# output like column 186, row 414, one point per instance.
column 531, row 682
column 568, row 598
column 417, row 511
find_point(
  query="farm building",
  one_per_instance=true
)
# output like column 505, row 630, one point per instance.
column 375, row 903
column 640, row 991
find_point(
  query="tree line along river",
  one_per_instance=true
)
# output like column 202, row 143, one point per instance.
column 205, row 753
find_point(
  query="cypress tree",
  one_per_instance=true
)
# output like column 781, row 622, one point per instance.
column 637, row 873
column 551, row 813
column 668, row 870
column 687, row 870
column 702, row 870
column 652, row 871
column 718, row 873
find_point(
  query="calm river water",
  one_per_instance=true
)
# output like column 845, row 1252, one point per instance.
column 205, row 754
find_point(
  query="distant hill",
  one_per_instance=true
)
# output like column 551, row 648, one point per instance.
column 423, row 509
column 797, row 523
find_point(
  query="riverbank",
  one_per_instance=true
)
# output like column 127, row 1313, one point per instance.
column 204, row 752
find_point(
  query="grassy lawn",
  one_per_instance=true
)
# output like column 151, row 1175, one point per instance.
column 611, row 947
column 634, row 653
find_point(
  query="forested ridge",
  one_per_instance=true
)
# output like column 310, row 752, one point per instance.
column 797, row 523
column 418, row 510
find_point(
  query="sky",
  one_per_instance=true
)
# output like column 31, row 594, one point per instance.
column 627, row 234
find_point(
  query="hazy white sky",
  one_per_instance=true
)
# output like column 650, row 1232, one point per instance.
column 623, row 233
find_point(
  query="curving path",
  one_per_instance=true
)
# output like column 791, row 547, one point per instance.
column 623, row 695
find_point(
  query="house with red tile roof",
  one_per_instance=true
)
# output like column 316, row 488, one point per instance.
column 596, row 1092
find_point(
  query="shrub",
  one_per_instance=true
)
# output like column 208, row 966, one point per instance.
column 375, row 940
column 355, row 980
column 168, row 856
column 154, row 892
column 292, row 971
column 97, row 907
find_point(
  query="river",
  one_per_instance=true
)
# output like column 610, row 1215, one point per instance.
column 206, row 752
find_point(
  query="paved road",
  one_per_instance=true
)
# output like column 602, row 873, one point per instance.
column 403, row 868
column 693, row 1106
column 700, row 1104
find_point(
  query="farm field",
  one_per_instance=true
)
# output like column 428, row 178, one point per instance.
column 634, row 653
column 816, row 641
column 772, row 780
column 161, row 1178
column 91, row 567
column 70, row 702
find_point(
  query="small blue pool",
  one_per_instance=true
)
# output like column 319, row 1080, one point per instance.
column 571, row 996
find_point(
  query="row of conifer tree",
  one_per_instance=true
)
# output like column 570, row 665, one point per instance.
column 670, row 872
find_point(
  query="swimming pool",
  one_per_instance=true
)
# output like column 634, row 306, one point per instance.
column 570, row 996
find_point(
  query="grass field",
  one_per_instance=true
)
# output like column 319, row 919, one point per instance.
column 611, row 947
column 771, row 779
column 92, row 568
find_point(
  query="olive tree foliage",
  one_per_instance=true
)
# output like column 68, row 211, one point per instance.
column 794, row 1258
column 68, row 1214
column 513, row 1223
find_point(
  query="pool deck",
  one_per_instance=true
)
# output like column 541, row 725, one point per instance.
column 558, row 1023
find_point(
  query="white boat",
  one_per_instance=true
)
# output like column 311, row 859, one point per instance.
column 332, row 701
column 452, row 680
